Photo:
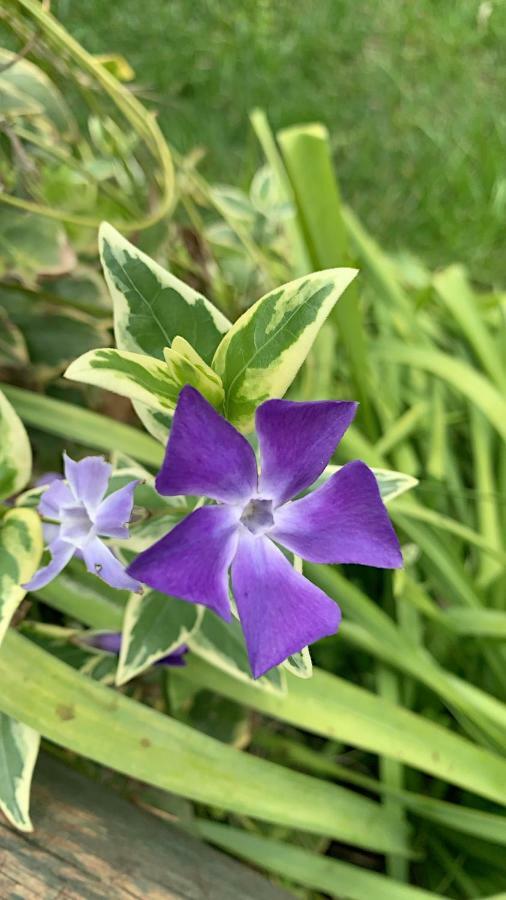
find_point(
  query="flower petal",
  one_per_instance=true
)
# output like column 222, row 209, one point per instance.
column 57, row 496
column 101, row 561
column 205, row 455
column 113, row 514
column 88, row 479
column 61, row 553
column 297, row 441
column 280, row 611
column 192, row 561
column 176, row 659
column 344, row 521
column 108, row 641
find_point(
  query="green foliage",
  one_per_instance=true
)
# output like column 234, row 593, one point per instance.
column 406, row 703
column 411, row 93
column 262, row 352
column 20, row 552
column 20, row 747
column 15, row 451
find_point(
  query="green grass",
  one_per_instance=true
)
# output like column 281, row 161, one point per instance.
column 411, row 92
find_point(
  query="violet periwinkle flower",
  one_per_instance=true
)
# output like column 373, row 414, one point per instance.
column 110, row 642
column 343, row 521
column 80, row 515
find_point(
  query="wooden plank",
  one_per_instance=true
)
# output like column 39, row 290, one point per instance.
column 91, row 844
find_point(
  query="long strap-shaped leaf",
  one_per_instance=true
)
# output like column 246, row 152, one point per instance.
column 76, row 712
column 330, row 706
column 90, row 428
column 336, row 878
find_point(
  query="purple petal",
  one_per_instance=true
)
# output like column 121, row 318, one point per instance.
column 344, row 521
column 297, row 441
column 61, row 553
column 113, row 514
column 192, row 561
column 280, row 611
column 88, row 479
column 205, row 455
column 100, row 561
column 48, row 478
column 174, row 660
column 109, row 641
column 55, row 498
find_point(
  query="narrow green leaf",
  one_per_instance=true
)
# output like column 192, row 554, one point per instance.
column 334, row 708
column 151, row 306
column 461, row 376
column 20, row 552
column 261, row 354
column 15, row 451
column 488, row 623
column 307, row 155
column 77, row 424
column 320, row 873
column 453, row 287
column 94, row 721
column 19, row 748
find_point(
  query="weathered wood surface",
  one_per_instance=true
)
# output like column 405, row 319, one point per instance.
column 90, row 844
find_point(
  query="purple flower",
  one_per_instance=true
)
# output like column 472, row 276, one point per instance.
column 344, row 521
column 110, row 642
column 79, row 514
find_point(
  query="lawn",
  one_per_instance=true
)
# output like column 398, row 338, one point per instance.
column 411, row 92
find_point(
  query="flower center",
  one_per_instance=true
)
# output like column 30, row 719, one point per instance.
column 75, row 525
column 257, row 516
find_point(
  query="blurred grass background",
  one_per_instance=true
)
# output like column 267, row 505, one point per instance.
column 411, row 91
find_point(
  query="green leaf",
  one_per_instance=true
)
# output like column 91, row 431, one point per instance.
column 261, row 354
column 320, row 873
column 222, row 645
column 19, row 747
column 131, row 375
column 299, row 664
column 32, row 245
column 154, row 626
column 334, row 708
column 490, row 623
column 34, row 85
column 20, row 552
column 454, row 289
column 150, row 381
column 13, row 350
column 76, row 424
column 15, row 451
column 103, row 725
column 151, row 306
column 391, row 484
column 307, row 154
column 461, row 376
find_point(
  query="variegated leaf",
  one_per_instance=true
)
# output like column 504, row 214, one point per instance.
column 20, row 552
column 145, row 379
column 15, row 451
column 131, row 375
column 261, row 354
column 154, row 626
column 299, row 664
column 19, row 747
column 391, row 484
column 155, row 422
column 152, row 306
column 222, row 645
